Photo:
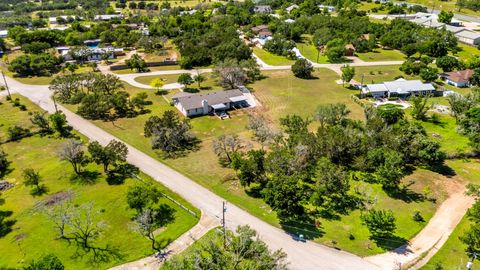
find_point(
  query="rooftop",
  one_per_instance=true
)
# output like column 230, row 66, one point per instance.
column 468, row 34
column 192, row 101
column 460, row 76
column 400, row 86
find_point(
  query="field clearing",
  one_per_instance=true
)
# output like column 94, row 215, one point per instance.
column 381, row 55
column 272, row 59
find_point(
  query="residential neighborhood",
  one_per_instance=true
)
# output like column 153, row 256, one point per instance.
column 264, row 135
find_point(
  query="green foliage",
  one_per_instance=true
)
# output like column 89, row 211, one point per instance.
column 251, row 167
column 347, row 74
column 137, row 63
column 214, row 254
column 390, row 113
column 32, row 178
column 380, row 223
column 419, row 107
column 335, row 50
column 185, row 79
column 16, row 133
column 35, row 64
column 41, row 121
column 60, row 125
column 429, row 74
column 4, row 163
column 47, row 262
column 113, row 153
column 302, row 69
column 280, row 46
column 36, row 47
column 445, row 16
column 447, row 63
column 141, row 197
column 475, row 79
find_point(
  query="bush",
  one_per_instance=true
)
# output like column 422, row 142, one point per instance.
column 15, row 133
column 380, row 223
column 302, row 69
column 418, row 217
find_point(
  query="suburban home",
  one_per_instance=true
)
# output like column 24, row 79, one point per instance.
column 3, row 33
column 89, row 54
column 290, row 8
column 108, row 17
column 92, row 43
column 259, row 28
column 329, row 8
column 213, row 102
column 264, row 34
column 349, row 50
column 460, row 78
column 400, row 87
column 262, row 9
column 468, row 37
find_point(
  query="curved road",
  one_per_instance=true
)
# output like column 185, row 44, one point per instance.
column 301, row 256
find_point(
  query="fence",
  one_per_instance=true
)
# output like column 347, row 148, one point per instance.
column 149, row 64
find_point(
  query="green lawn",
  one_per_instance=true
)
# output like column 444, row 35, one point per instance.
column 128, row 71
column 379, row 74
column 381, row 55
column 272, row 59
column 445, row 5
column 467, row 52
column 209, row 84
column 311, row 53
column 33, row 234
column 452, row 254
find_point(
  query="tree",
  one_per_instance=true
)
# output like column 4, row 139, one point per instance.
column 332, row 185
column 60, row 124
column 41, row 121
column 475, row 79
column 225, row 146
column 390, row 113
column 380, row 223
column 72, row 152
column 262, row 131
column 157, row 83
column 33, row 178
column 152, row 219
column 250, row 167
column 199, row 78
column 111, row 154
column 185, row 79
column 335, row 50
column 445, row 16
column 230, row 73
column 137, row 63
column 169, row 133
column 47, row 262
column 447, row 63
column 4, row 163
column 429, row 74
column 347, row 74
column 85, row 225
column 243, row 249
column 409, row 49
column 302, row 68
column 332, row 114
column 140, row 197
column 284, row 194
column 419, row 107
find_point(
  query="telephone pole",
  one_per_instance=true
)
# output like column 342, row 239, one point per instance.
column 224, row 209
column 6, row 85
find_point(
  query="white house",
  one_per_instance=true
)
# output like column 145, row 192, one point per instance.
column 205, row 103
column 460, row 78
column 400, row 87
column 468, row 37
column 108, row 17
column 3, row 33
column 262, row 9
column 329, row 8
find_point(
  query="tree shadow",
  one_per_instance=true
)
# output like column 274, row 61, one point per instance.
column 396, row 243
column 305, row 226
column 191, row 90
column 85, row 177
column 98, row 254
column 443, row 170
column 406, row 194
column 254, row 191
column 161, row 92
column 6, row 226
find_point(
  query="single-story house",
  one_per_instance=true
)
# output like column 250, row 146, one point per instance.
column 108, row 17
column 53, row 20
column 329, row 8
column 290, row 8
column 400, row 87
column 264, row 34
column 259, row 28
column 90, row 54
column 205, row 103
column 460, row 78
column 349, row 50
column 3, row 33
column 92, row 42
column 289, row 21
column 266, row 9
column 468, row 37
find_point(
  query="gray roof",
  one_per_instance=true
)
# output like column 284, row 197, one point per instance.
column 400, row 86
column 454, row 29
column 193, row 101
column 468, row 34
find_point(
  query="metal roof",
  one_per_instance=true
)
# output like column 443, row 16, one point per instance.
column 400, row 86
column 194, row 101
column 468, row 34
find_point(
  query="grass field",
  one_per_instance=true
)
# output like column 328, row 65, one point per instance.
column 311, row 53
column 209, row 84
column 381, row 55
column 379, row 74
column 33, row 234
column 445, row 5
column 272, row 59
column 467, row 52
column 452, row 254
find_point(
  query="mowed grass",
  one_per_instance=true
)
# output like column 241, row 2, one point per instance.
column 210, row 82
column 272, row 59
column 381, row 55
column 11, row 116
column 33, row 233
column 282, row 94
column 467, row 52
column 452, row 254
column 378, row 74
column 311, row 53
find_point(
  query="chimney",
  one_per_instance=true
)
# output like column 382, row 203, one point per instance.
column 205, row 106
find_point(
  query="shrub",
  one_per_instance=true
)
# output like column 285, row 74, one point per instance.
column 418, row 217
column 380, row 223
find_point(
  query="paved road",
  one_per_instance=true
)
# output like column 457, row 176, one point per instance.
column 301, row 256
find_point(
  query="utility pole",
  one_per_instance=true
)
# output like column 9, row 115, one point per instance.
column 224, row 209
column 361, row 84
column 6, row 85
column 55, row 103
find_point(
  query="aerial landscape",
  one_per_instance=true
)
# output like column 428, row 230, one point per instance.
column 195, row 134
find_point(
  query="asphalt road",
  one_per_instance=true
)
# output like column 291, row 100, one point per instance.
column 301, row 256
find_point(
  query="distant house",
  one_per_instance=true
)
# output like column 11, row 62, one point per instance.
column 329, row 8
column 3, row 33
column 459, row 78
column 290, row 8
column 289, row 21
column 108, row 17
column 468, row 37
column 89, row 54
column 53, row 20
column 213, row 102
column 262, row 9
column 264, row 34
column 400, row 87
column 259, row 28
column 349, row 50
column 92, row 42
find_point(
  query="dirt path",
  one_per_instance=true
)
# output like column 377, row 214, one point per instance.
column 421, row 248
